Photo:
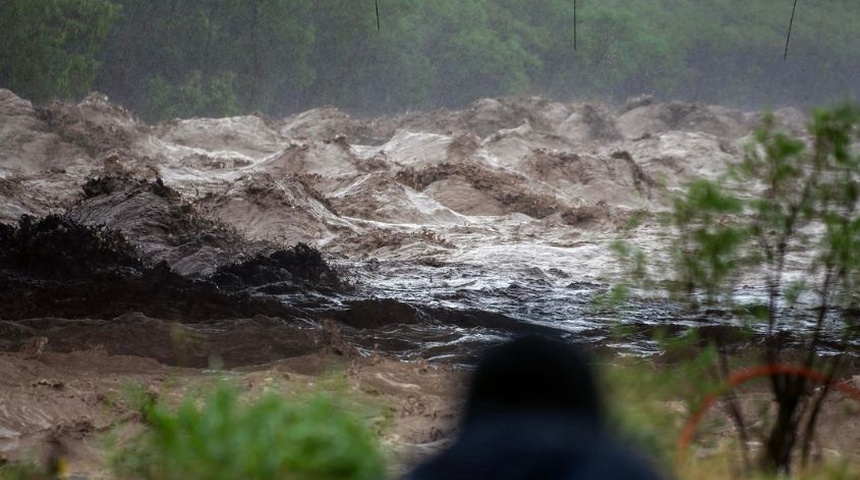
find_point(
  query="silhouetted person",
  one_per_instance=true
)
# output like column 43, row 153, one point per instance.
column 533, row 412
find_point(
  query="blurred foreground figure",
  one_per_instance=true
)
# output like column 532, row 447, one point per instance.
column 533, row 412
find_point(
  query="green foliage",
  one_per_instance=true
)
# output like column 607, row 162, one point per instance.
column 706, row 249
column 48, row 48
column 645, row 399
column 722, row 230
column 473, row 59
column 650, row 402
column 278, row 56
column 792, row 200
column 224, row 437
column 212, row 97
column 815, row 188
column 21, row 471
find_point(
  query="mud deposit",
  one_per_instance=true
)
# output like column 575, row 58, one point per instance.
column 248, row 240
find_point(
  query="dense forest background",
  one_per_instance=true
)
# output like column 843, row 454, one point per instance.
column 169, row 58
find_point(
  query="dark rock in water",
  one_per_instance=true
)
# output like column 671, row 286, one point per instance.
column 58, row 248
column 375, row 313
column 58, row 267
column 299, row 264
column 158, row 292
column 89, row 263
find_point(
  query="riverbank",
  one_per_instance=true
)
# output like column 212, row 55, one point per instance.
column 82, row 401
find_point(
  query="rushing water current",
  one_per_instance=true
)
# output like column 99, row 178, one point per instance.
column 455, row 228
column 463, row 307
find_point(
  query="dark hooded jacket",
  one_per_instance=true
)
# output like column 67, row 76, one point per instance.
column 533, row 412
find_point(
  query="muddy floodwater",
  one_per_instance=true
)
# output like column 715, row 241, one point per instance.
column 423, row 235
column 268, row 250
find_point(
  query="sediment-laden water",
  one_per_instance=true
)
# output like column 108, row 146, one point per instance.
column 428, row 234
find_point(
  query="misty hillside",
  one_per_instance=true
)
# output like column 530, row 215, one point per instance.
column 165, row 59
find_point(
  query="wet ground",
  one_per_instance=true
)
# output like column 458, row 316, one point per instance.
column 244, row 241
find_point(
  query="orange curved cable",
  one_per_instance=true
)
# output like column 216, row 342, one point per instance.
column 744, row 376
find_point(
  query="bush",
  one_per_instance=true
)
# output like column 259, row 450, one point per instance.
column 266, row 438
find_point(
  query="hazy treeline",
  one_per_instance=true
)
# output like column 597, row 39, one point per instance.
column 166, row 58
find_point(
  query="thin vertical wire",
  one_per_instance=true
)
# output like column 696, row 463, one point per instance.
column 788, row 36
column 377, row 16
column 574, row 24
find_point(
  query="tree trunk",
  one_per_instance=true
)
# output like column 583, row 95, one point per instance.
column 776, row 456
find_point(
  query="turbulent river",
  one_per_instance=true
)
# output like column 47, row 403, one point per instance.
column 448, row 228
